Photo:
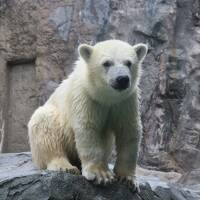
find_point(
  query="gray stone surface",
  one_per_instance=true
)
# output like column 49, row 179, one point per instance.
column 22, row 96
column 62, row 18
column 49, row 32
column 191, row 180
column 20, row 180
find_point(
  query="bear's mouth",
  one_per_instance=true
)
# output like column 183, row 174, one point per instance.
column 119, row 87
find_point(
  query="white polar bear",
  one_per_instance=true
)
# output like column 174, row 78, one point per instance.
column 98, row 102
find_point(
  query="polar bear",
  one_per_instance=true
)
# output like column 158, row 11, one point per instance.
column 96, row 105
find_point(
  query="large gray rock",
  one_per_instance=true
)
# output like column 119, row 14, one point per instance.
column 191, row 179
column 20, row 180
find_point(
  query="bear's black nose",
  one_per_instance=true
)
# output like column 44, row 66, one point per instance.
column 122, row 82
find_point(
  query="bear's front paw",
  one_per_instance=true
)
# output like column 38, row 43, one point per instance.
column 98, row 173
column 130, row 181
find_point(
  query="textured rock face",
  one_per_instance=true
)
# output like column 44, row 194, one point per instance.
column 20, row 180
column 171, row 121
column 45, row 35
column 191, row 178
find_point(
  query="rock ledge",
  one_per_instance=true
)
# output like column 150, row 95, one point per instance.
column 20, row 180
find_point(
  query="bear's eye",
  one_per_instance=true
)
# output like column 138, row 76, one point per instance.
column 128, row 63
column 107, row 63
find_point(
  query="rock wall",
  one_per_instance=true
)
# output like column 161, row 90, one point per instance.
column 45, row 35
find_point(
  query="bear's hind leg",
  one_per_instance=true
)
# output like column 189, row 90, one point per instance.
column 62, row 164
column 47, row 141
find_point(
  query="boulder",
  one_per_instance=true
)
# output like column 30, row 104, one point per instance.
column 191, row 179
column 20, row 180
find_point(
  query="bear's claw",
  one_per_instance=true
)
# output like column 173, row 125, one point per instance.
column 104, row 177
column 73, row 171
column 130, row 181
column 98, row 174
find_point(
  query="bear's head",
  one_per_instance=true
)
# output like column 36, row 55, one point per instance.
column 113, row 68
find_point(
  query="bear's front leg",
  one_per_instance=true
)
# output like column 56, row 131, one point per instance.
column 93, row 142
column 127, row 145
column 94, row 152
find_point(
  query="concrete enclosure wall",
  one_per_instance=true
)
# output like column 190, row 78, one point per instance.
column 22, row 101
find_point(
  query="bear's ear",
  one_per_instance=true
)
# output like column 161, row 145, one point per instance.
column 141, row 51
column 85, row 51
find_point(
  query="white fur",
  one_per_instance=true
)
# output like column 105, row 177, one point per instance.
column 85, row 113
